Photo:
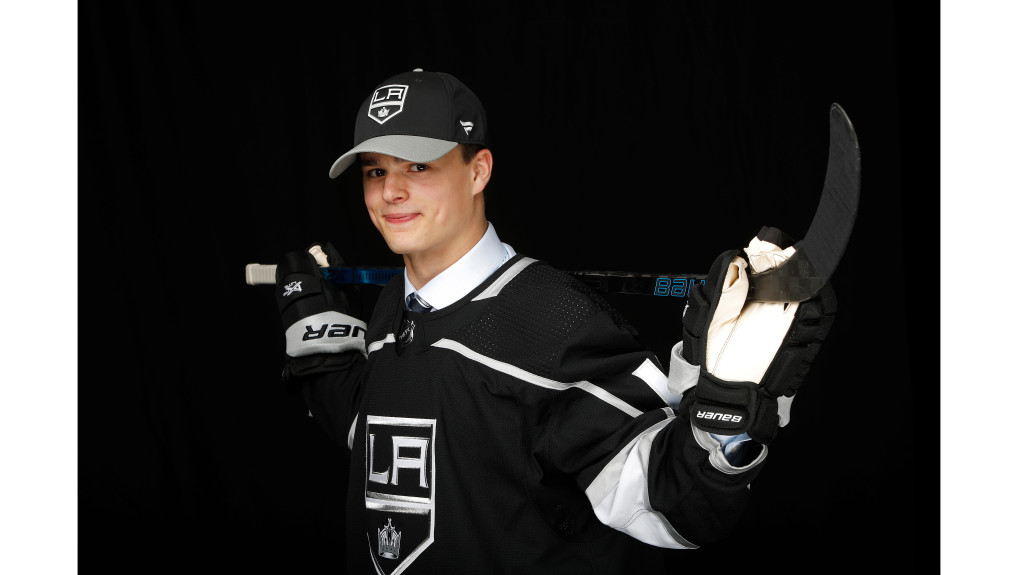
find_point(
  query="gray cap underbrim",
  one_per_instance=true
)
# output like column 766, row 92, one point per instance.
column 411, row 148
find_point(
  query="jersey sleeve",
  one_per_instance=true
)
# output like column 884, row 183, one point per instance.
column 620, row 431
column 333, row 391
column 333, row 398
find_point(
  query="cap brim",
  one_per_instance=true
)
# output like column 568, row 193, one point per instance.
column 411, row 148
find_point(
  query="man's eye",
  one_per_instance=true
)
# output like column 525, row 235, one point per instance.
column 374, row 173
column 418, row 167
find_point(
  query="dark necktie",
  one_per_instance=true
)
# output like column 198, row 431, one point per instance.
column 414, row 303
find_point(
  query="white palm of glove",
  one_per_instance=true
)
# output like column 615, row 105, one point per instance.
column 743, row 338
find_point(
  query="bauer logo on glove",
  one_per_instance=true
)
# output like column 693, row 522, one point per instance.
column 338, row 330
column 318, row 316
column 721, row 417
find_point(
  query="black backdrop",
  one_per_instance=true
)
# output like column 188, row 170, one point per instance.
column 627, row 136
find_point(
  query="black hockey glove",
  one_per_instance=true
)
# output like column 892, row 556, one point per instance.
column 752, row 356
column 321, row 320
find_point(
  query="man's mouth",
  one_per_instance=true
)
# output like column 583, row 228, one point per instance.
column 400, row 218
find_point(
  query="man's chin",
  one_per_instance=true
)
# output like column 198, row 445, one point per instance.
column 401, row 248
column 397, row 244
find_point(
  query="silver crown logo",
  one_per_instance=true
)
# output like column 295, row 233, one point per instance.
column 383, row 112
column 388, row 541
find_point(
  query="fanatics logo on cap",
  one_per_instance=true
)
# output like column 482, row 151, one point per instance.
column 387, row 102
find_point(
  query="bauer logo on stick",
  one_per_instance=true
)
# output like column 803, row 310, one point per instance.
column 387, row 102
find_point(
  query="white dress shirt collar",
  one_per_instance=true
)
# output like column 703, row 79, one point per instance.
column 468, row 272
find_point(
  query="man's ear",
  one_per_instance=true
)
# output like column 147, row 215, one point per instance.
column 481, row 164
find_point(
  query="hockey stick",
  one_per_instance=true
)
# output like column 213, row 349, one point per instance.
column 613, row 282
column 800, row 278
column 817, row 255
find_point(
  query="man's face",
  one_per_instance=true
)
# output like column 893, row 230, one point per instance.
column 432, row 209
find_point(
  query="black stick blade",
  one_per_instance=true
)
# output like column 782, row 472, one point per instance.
column 817, row 255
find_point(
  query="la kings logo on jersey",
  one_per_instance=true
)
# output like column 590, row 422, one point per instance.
column 399, row 490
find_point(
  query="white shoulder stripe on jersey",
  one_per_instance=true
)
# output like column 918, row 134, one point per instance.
column 537, row 380
column 621, row 499
column 657, row 381
column 497, row 285
column 377, row 345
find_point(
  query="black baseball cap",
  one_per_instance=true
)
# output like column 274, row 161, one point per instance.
column 417, row 116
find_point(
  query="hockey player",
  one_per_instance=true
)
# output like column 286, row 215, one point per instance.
column 500, row 415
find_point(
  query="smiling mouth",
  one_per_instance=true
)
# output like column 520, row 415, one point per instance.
column 400, row 218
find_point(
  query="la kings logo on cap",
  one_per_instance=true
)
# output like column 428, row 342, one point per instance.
column 387, row 102
column 399, row 490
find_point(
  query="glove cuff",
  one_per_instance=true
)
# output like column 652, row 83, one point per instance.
column 297, row 367
column 733, row 407
column 325, row 332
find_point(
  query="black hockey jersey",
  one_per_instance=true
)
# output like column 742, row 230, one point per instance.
column 523, row 429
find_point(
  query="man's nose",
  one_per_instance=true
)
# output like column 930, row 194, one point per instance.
column 394, row 188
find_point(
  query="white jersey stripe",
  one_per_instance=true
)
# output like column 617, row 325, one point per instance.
column 497, row 285
column 353, row 428
column 377, row 345
column 621, row 499
column 681, row 374
column 537, row 380
column 608, row 398
column 657, row 381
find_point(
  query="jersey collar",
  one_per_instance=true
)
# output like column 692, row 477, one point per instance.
column 456, row 281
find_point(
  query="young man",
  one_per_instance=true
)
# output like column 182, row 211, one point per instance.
column 501, row 417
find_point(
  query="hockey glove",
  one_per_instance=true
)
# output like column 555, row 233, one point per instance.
column 753, row 356
column 321, row 320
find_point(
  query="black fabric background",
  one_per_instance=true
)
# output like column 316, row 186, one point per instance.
column 627, row 136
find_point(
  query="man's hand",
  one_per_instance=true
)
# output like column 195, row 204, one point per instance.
column 752, row 356
column 321, row 319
